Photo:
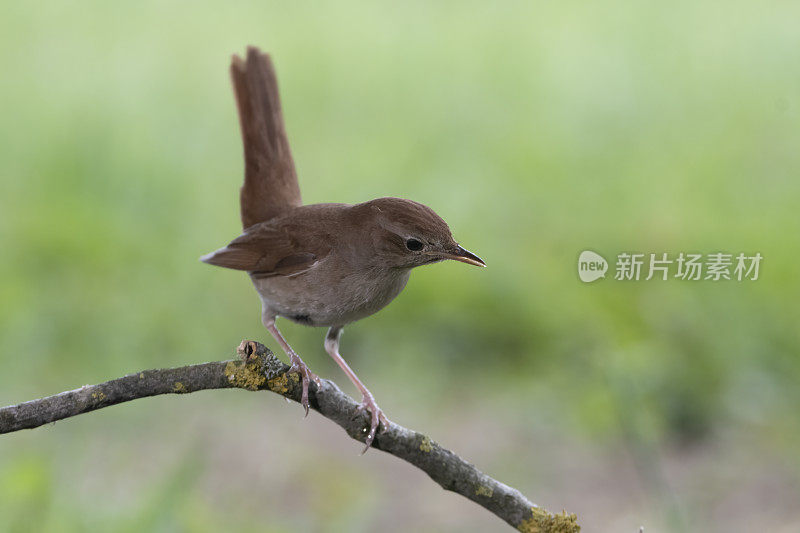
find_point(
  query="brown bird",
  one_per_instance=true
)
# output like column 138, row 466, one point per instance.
column 324, row 264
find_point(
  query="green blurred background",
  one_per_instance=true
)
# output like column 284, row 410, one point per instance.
column 536, row 130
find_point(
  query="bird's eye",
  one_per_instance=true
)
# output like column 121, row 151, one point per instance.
column 414, row 245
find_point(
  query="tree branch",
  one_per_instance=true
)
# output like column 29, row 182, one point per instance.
column 259, row 369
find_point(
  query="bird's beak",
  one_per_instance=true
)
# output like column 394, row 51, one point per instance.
column 465, row 256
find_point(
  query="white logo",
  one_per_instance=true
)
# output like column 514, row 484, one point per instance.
column 591, row 266
column 636, row 266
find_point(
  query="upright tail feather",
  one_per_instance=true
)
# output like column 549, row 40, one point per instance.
column 270, row 180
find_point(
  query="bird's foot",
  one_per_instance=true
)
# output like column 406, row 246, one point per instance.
column 376, row 417
column 306, row 376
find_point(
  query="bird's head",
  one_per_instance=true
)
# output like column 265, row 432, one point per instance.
column 408, row 234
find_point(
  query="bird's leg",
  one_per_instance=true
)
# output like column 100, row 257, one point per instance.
column 367, row 400
column 297, row 364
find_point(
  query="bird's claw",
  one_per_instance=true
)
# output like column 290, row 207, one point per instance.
column 306, row 376
column 376, row 417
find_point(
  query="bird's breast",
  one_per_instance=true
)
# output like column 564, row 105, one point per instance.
column 332, row 293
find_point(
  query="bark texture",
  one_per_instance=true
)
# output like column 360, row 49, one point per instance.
column 258, row 369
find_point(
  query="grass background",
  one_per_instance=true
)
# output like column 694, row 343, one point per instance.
column 537, row 131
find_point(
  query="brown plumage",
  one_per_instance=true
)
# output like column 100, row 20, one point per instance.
column 324, row 264
column 270, row 180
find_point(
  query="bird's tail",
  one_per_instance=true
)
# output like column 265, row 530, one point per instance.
column 270, row 180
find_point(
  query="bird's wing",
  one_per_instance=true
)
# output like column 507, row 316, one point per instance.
column 268, row 251
column 270, row 180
